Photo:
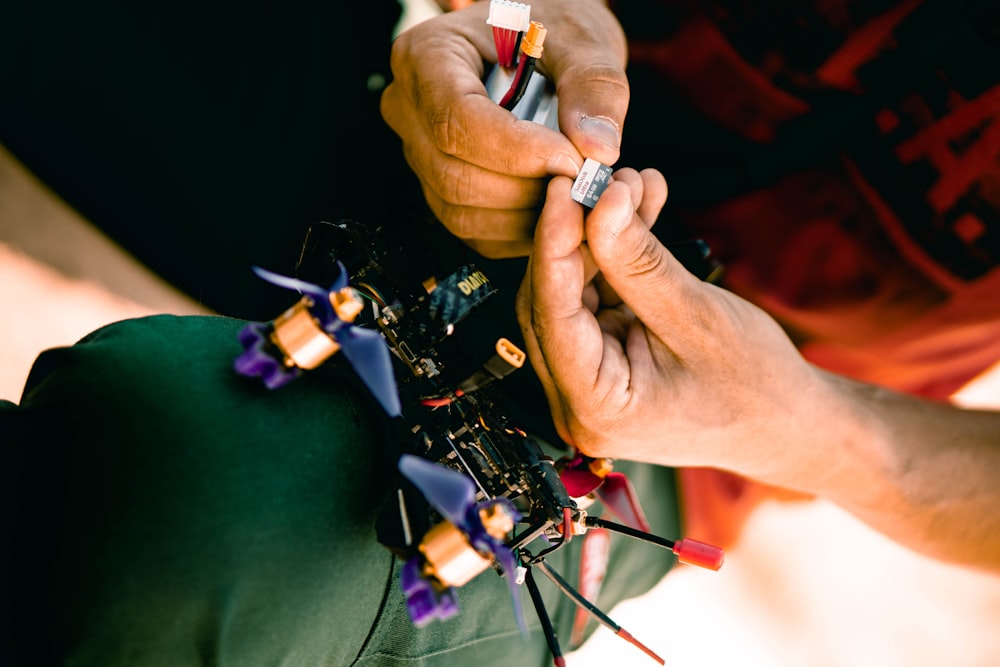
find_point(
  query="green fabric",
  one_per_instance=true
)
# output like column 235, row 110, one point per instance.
column 174, row 513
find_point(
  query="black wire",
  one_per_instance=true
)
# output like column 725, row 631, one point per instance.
column 575, row 596
column 543, row 616
column 593, row 610
column 549, row 550
column 545, row 552
column 595, row 522
column 525, row 68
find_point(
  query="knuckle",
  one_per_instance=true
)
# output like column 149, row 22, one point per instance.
column 646, row 258
column 459, row 183
column 464, row 223
column 440, row 120
column 389, row 104
column 460, row 222
column 413, row 160
column 609, row 79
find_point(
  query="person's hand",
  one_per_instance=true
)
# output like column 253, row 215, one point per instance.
column 483, row 172
column 645, row 361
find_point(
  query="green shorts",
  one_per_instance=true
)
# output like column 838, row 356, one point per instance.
column 167, row 511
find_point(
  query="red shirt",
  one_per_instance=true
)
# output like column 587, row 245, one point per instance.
column 879, row 251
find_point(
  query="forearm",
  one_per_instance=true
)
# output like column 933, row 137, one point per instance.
column 926, row 474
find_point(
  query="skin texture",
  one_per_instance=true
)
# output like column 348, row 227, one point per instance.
column 644, row 349
column 483, row 172
column 671, row 355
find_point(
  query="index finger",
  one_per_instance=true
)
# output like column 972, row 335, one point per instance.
column 568, row 335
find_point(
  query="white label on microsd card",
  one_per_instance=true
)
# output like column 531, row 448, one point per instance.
column 591, row 182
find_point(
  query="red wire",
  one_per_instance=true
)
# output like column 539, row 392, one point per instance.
column 518, row 85
column 567, row 525
column 442, row 401
column 505, row 40
column 436, row 402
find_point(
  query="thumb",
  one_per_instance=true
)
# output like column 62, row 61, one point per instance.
column 592, row 88
column 641, row 271
column 593, row 122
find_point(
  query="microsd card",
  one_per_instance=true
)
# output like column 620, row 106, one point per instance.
column 591, row 182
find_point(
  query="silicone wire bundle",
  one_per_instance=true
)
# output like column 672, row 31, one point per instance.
column 531, row 51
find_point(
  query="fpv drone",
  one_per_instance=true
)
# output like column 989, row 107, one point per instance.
column 476, row 492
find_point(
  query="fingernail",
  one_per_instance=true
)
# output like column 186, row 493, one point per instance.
column 602, row 130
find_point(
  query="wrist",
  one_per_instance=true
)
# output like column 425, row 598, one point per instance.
column 825, row 439
column 848, row 443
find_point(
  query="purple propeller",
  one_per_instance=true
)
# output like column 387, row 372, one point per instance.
column 453, row 495
column 364, row 349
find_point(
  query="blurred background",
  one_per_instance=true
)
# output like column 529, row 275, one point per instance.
column 806, row 586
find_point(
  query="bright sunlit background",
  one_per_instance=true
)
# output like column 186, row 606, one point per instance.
column 808, row 586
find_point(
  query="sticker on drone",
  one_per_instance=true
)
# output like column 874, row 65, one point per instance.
column 591, row 182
